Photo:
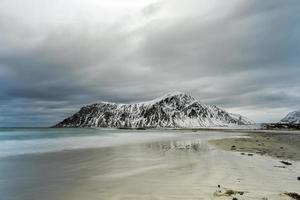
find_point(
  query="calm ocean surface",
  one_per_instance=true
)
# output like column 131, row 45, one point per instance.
column 16, row 141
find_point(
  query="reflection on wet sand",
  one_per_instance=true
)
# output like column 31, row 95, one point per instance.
column 188, row 168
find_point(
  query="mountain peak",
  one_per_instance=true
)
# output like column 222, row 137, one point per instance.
column 172, row 96
column 173, row 110
column 176, row 93
column 292, row 118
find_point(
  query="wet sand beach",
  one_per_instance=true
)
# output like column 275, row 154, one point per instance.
column 278, row 144
column 184, row 166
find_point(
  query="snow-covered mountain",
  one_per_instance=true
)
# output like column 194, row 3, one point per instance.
column 292, row 118
column 174, row 110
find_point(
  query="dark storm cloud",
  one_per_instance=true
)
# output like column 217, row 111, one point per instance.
column 237, row 42
column 244, row 57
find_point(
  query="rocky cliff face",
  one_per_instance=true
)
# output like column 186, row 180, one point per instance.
column 292, row 118
column 175, row 110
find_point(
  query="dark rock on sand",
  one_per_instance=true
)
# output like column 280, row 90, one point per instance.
column 286, row 163
column 293, row 195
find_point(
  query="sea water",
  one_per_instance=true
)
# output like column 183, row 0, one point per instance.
column 16, row 141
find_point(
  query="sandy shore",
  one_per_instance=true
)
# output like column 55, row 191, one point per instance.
column 281, row 145
column 181, row 167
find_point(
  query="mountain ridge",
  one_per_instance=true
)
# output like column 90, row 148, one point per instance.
column 173, row 110
column 292, row 118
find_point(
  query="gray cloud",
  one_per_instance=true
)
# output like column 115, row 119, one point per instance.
column 151, row 9
column 242, row 56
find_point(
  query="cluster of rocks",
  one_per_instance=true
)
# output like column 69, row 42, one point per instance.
column 225, row 192
column 187, row 147
column 280, row 126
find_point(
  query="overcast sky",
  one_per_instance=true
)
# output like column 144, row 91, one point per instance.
column 58, row 55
